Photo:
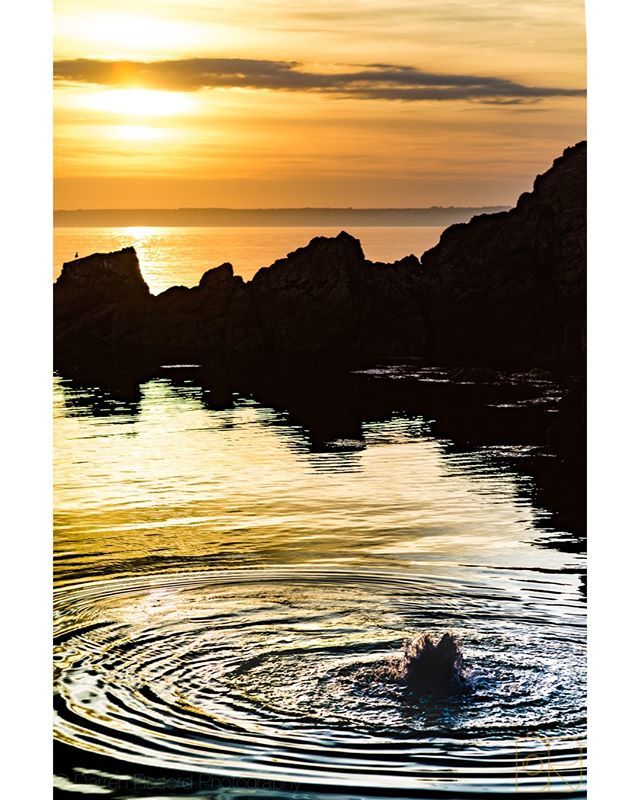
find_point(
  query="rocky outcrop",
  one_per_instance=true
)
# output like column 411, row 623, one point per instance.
column 216, row 315
column 109, row 277
column 506, row 286
column 325, row 298
column 94, row 296
column 514, row 283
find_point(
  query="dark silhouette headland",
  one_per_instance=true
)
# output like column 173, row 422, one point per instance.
column 508, row 287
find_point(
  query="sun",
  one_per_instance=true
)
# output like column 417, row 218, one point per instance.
column 139, row 102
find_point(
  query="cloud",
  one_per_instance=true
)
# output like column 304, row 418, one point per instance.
column 372, row 81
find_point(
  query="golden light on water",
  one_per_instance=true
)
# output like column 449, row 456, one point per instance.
column 138, row 232
column 142, row 485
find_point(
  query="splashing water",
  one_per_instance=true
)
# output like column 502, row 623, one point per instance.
column 427, row 666
column 247, row 672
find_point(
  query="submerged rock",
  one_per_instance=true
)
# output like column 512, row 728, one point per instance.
column 538, row 374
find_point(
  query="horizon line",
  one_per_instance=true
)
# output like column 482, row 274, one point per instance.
column 281, row 208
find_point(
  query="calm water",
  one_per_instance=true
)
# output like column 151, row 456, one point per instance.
column 179, row 256
column 232, row 578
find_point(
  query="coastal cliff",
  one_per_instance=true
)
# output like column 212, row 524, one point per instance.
column 514, row 283
column 508, row 286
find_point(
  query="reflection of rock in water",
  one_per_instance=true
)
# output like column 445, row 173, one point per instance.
column 334, row 407
column 427, row 666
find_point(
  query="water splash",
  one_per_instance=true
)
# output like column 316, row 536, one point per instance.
column 430, row 667
column 276, row 673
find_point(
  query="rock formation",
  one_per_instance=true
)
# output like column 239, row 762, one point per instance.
column 503, row 287
column 514, row 283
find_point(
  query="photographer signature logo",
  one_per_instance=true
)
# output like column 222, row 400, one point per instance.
column 534, row 759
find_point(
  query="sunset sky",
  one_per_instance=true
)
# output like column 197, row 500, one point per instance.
column 269, row 103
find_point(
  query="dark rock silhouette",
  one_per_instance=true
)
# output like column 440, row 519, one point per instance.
column 325, row 298
column 427, row 666
column 503, row 287
column 514, row 283
column 95, row 295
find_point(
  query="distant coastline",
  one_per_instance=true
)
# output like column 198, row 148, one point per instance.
column 276, row 217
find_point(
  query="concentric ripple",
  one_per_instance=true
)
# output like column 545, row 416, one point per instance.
column 285, row 674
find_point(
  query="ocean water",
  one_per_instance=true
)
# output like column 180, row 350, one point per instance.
column 239, row 562
column 178, row 256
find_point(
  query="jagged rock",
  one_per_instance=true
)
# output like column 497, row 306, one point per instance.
column 326, row 299
column 503, row 287
column 110, row 276
column 220, row 278
column 94, row 295
column 512, row 285
column 215, row 315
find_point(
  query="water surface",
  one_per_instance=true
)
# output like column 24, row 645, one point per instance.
column 234, row 573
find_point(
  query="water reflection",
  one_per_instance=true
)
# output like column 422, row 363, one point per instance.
column 239, row 550
column 223, row 464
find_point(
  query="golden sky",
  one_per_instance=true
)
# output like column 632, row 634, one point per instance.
column 263, row 103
